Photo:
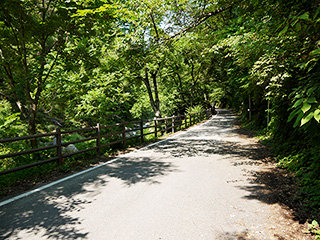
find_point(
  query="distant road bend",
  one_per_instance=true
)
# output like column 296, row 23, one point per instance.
column 194, row 185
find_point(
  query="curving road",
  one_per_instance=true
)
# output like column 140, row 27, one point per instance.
column 194, row 185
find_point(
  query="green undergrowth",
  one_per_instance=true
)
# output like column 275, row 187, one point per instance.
column 304, row 161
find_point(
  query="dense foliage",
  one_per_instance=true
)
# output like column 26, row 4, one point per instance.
column 78, row 62
column 270, row 53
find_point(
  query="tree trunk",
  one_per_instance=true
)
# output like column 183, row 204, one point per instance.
column 180, row 88
column 193, row 84
column 156, row 94
column 33, row 129
column 154, row 103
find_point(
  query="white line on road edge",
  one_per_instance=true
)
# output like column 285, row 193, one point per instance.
column 10, row 200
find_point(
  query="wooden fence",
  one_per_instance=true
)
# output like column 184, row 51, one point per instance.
column 160, row 126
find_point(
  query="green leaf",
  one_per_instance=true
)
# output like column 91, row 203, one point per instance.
column 293, row 114
column 314, row 52
column 312, row 100
column 296, row 123
column 317, row 115
column 305, row 107
column 295, row 22
column 314, row 223
column 306, row 119
column 316, row 14
column 311, row 90
column 298, row 103
column 298, row 27
column 283, row 31
column 311, row 67
column 304, row 16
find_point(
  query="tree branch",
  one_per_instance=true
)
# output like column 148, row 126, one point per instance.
column 200, row 20
column 7, row 17
column 155, row 27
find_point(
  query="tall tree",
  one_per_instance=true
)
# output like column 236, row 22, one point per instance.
column 33, row 36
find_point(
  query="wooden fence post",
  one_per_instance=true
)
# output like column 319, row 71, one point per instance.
column 155, row 127
column 98, row 140
column 124, row 135
column 141, row 131
column 178, row 121
column 190, row 120
column 166, row 123
column 185, row 121
column 172, row 128
column 59, row 147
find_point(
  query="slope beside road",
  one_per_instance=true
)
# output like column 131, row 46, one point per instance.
column 195, row 185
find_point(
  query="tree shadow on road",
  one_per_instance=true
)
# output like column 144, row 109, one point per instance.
column 47, row 213
column 268, row 184
column 181, row 148
column 280, row 186
column 235, row 236
column 277, row 186
column 273, row 185
column 135, row 170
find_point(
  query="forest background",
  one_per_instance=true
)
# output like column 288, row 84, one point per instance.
column 73, row 63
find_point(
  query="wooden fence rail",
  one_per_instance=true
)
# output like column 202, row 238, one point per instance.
column 160, row 126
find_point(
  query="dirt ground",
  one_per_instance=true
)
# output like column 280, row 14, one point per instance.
column 281, row 191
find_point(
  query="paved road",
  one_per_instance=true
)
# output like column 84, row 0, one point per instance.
column 195, row 185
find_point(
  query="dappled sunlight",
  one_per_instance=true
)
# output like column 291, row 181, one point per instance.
column 50, row 212
column 47, row 218
column 274, row 186
column 135, row 170
column 207, row 148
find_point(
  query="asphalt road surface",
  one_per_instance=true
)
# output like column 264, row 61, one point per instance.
column 194, row 185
